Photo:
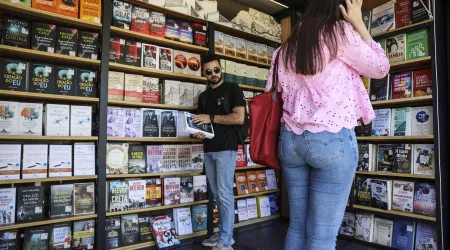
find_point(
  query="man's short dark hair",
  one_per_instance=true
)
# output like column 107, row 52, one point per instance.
column 209, row 58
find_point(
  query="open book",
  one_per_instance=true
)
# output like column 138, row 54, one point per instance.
column 191, row 127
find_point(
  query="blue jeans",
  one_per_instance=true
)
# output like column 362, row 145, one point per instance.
column 318, row 170
column 220, row 168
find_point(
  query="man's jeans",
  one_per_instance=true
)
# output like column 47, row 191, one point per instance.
column 220, row 168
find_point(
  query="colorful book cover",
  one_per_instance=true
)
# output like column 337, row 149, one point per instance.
column 43, row 37
column 200, row 188
column 425, row 199
column 363, row 191
column 61, row 236
column 153, row 194
column 91, row 11
column 137, row 194
column 241, row 160
column 157, row 23
column 116, row 83
column 383, row 18
column 403, row 234
column 184, row 157
column 86, row 83
column 133, row 53
column 417, row 44
column 84, row 198
column 171, row 191
column 241, row 206
column 186, row 32
column 197, row 156
column 41, row 78
column 170, row 158
column 403, row 196
column 30, row 122
column 252, row 209
column 164, row 232
column 67, row 8
column 423, row 159
column 385, row 159
column 401, row 122
column 382, row 122
column 262, row 180
column 9, row 117
column 83, row 235
column 150, row 90
column 402, row 85
column 13, row 75
column 140, row 20
column 241, row 183
column 154, row 158
column 44, row 5
column 402, row 158
column 199, row 217
column 402, row 13
column 426, row 237
column 218, row 42
column 172, row 29
column 150, row 56
column 263, row 205
column 88, row 45
column 422, row 120
column 121, row 14
column 423, row 83
column 273, row 204
column 66, row 41
column 118, row 196
column 16, row 32
column 117, row 50
column 252, row 182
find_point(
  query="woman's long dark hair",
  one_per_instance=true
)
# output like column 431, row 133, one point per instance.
column 322, row 21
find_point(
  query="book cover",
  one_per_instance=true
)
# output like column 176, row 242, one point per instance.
column 151, row 122
column 16, row 32
column 154, row 158
column 262, row 180
column 273, row 204
column 67, row 8
column 43, row 37
column 171, row 92
column 171, row 191
column 150, row 90
column 157, row 23
column 421, row 10
column 172, row 29
column 112, row 231
column 34, row 161
column 186, row 94
column 9, row 117
column 365, row 157
column 30, row 204
column 252, row 208
column 229, row 45
column 165, row 59
column 41, row 78
column 262, row 53
column 241, row 160
column 184, row 157
column 423, row 82
column 116, row 122
column 57, row 120
column 117, row 158
column 180, row 127
column 186, row 32
column 252, row 182
column 133, row 53
column 182, row 219
column 30, row 122
column 170, row 158
column 241, row 48
column 200, row 35
column 422, row 120
column 402, row 13
column 137, row 194
column 381, row 193
column 367, row 19
column 199, row 217
column 402, row 85
column 263, row 205
column 241, row 183
column 83, row 235
column 116, row 83
column 192, row 127
column 7, row 206
column 383, row 18
column 401, row 122
column 84, row 159
column 385, row 160
column 13, row 75
column 10, row 240
column 60, row 161
column 242, row 210
column 121, row 14
column 133, row 123
column 118, row 196
column 379, row 89
column 381, row 123
column 169, row 123
column 91, row 11
column 382, row 232
column 61, row 236
column 347, row 227
column 136, row 159
column 10, row 156
column 36, row 237
column 66, row 79
column 66, row 41
column 47, row 5
column 197, row 156
column 61, row 201
column 140, row 20
column 364, row 227
column 80, row 120
column 426, row 237
column 88, row 45
column 186, row 189
column 117, row 50
column 219, row 42
column 272, row 183
column 402, row 158
column 145, row 229
column 164, row 232
column 403, row 234
column 153, row 195
column 423, row 159
column 403, row 196
column 363, row 194
column 417, row 44
column 425, row 199
column 150, row 56
column 252, row 51
column 200, row 188
column 84, row 198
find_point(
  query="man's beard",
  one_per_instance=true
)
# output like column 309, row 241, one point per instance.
column 215, row 82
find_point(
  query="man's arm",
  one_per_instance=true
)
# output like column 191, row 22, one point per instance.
column 234, row 118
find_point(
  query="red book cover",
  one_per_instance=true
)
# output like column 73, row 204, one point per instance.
column 241, row 160
column 67, row 8
column 140, row 20
column 163, row 233
column 252, row 181
column 402, row 13
column 423, row 82
column 157, row 23
column 402, row 85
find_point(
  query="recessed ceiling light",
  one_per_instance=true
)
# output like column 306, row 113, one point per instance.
column 279, row 3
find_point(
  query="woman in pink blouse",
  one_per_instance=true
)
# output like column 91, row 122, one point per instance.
column 319, row 73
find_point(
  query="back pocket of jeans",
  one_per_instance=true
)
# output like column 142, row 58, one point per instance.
column 325, row 146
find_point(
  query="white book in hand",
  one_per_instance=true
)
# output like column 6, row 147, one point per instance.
column 191, row 127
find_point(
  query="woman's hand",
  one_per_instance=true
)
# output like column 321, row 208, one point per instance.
column 353, row 15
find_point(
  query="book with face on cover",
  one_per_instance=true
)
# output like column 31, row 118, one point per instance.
column 169, row 119
column 151, row 119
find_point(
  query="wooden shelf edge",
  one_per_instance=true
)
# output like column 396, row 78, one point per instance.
column 392, row 32
column 400, row 175
column 119, row 176
column 248, row 87
column 52, row 97
column 399, row 66
column 250, row 168
column 153, row 72
column 254, row 221
column 47, row 222
column 412, row 100
column 150, row 139
column 243, row 60
column 143, row 210
column 396, row 138
column 151, row 105
column 393, row 212
column 48, row 138
column 256, row 194
column 51, row 179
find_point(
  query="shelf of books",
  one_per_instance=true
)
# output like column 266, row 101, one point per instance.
column 151, row 139
column 400, row 30
column 151, row 105
column 47, row 222
column 157, row 208
column 154, row 72
column 404, row 102
column 417, row 138
column 257, row 194
column 46, row 138
column 52, row 179
column 179, row 173
column 47, row 97
column 393, row 212
column 243, row 60
column 400, row 175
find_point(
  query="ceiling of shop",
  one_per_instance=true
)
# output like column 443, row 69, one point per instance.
column 270, row 7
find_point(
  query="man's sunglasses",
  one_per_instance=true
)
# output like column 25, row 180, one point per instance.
column 208, row 72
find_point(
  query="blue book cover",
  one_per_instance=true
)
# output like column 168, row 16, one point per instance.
column 273, row 204
column 426, row 237
column 199, row 217
column 403, row 235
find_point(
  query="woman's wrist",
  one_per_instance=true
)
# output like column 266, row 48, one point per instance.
column 360, row 27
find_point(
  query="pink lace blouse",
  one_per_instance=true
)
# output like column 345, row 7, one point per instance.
column 334, row 98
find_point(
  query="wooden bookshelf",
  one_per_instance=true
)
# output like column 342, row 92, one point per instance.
column 149, row 139
column 245, row 35
column 158, row 40
column 40, row 56
column 47, row 97
column 51, row 179
column 47, row 222
column 393, row 212
column 243, row 60
column 400, row 175
column 257, row 194
column 411, row 64
column 135, row 211
column 401, row 30
column 46, row 16
column 182, row 173
column 422, row 138
column 48, row 138
column 250, row 168
column 154, row 72
column 254, row 221
column 150, row 105
column 248, row 87
column 413, row 101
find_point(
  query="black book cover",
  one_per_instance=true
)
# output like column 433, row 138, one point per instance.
column 168, row 124
column 84, row 198
column 65, row 78
column 16, row 32
column 150, row 120
column 13, row 75
column 61, row 198
column 88, row 45
column 41, row 78
column 36, row 238
column 363, row 157
column 363, row 191
column 133, row 52
column 379, row 193
column 379, row 89
column 129, row 229
column 136, row 159
column 66, row 41
column 385, row 158
column 402, row 158
column 43, row 37
column 362, row 129
column 10, row 240
column 145, row 229
column 86, row 83
column 112, row 230
column 419, row 10
column 121, row 14
column 83, row 235
column 117, row 50
column 30, row 204
column 61, row 236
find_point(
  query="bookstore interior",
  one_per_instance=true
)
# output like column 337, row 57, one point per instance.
column 96, row 99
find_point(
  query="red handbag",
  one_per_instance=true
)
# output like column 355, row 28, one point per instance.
column 265, row 112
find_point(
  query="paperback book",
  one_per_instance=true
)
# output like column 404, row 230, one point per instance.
column 133, row 52
column 242, row 210
column 363, row 129
column 417, row 44
column 13, row 75
column 145, row 229
column 140, row 20
column 184, row 157
column 121, row 14
column 401, row 122
column 118, row 196
column 421, row 10
column 80, row 120
column 116, row 83
column 34, row 161
column 137, row 194
column 197, row 156
column 86, row 85
column 252, row 182
column 241, row 183
column 252, row 210
column 402, row 158
column 262, row 180
column 88, row 44
column 379, row 89
column 272, row 182
column 171, row 191
column 61, row 201
column 402, row 13
column 61, row 236
column 396, row 46
column 423, row 83
column 186, row 190
column 41, row 78
column 182, row 219
column 381, row 123
column 9, row 117
column 172, row 29
column 403, row 234
column 117, row 158
column 43, row 37
column 7, row 206
column 164, row 232
column 348, row 224
column 117, row 50
column 129, row 232
column 84, row 159
column 83, row 235
column 60, row 161
column 218, row 42
column 66, row 41
column 170, row 158
column 133, row 87
column 84, row 198
column 263, row 205
column 422, row 120
column 151, row 122
column 192, row 127
column 157, row 24
column 364, row 227
column 403, row 196
column 65, row 79
column 36, row 237
column 273, row 204
column 154, row 158
column 171, row 91
column 425, row 199
column 90, row 11
column 150, row 90
column 366, row 157
column 165, row 59
column 136, row 159
column 10, row 240
column 423, row 159
column 383, row 231
column 16, row 32
column 402, row 85
column 363, row 190
column 112, row 232
column 199, row 217
column 383, row 18
column 10, row 156
column 381, row 193
column 426, row 237
column 385, row 159
column 153, row 193
column 30, row 121
column 150, row 56
column 57, row 120
column 30, row 204
column 169, row 123
column 200, row 188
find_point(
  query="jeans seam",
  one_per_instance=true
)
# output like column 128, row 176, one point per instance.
column 295, row 147
column 341, row 152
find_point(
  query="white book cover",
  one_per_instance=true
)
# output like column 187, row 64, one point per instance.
column 57, row 120
column 80, row 120
column 186, row 94
column 165, row 59
column 84, row 159
column 7, row 206
column 154, row 158
column 133, row 123
column 180, row 126
column 169, row 120
column 35, row 161
column 197, row 156
column 403, row 196
column 248, row 94
column 150, row 56
column 250, row 163
column 117, row 158
column 263, row 206
column 382, row 122
column 170, row 158
column 136, row 193
column 252, row 210
column 401, row 122
column 423, row 159
column 171, row 191
column 183, row 220
column 9, row 118
column 383, row 232
column 30, row 122
column 133, row 87
column 271, row 179
column 10, row 155
column 383, row 18
column 422, row 120
column 184, row 157
column 198, row 89
column 242, row 210
column 364, row 227
column 191, row 127
column 116, row 122
column 60, row 161
column 171, row 92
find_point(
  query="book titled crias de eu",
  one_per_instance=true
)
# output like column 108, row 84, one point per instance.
column 61, row 201
column 30, row 203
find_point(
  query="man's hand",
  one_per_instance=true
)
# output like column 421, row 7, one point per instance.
column 201, row 119
column 199, row 135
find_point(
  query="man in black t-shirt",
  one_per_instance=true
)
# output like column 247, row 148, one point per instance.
column 223, row 104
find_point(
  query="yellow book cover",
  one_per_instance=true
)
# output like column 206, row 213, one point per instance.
column 91, row 10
